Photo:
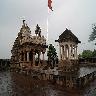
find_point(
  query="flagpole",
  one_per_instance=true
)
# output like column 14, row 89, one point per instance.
column 49, row 7
column 47, row 24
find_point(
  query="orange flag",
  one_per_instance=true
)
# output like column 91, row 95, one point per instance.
column 49, row 4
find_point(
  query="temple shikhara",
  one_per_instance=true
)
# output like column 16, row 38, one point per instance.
column 27, row 48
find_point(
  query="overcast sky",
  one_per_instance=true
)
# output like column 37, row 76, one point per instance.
column 76, row 15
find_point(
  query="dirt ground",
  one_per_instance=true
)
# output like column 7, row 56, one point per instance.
column 16, row 84
column 24, row 85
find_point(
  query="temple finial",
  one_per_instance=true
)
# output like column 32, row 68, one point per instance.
column 24, row 22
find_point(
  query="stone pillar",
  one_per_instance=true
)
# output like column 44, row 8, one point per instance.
column 68, row 51
column 24, row 57
column 43, row 56
column 69, row 55
column 60, row 52
column 27, row 55
column 72, row 51
column 33, row 58
column 39, row 56
column 63, row 52
column 76, row 53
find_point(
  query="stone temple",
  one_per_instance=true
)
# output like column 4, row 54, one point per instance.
column 26, row 58
column 26, row 47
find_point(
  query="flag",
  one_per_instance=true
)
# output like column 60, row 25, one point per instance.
column 49, row 4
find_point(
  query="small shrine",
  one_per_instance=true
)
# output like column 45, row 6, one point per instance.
column 68, row 43
column 68, row 64
column 26, row 47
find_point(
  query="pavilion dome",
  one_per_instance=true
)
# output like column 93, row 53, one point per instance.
column 67, row 35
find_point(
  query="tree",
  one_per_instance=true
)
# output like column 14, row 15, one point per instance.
column 94, row 53
column 52, row 55
column 87, row 54
column 92, row 37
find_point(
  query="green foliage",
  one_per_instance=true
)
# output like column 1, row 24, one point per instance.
column 94, row 53
column 87, row 54
column 51, row 53
column 92, row 37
